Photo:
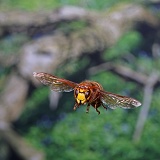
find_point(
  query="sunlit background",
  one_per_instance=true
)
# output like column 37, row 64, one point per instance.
column 114, row 43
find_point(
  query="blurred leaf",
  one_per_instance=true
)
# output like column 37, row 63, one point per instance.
column 145, row 64
column 88, row 136
column 11, row 44
column 34, row 108
column 50, row 4
column 73, row 67
column 125, row 45
column 110, row 83
column 72, row 26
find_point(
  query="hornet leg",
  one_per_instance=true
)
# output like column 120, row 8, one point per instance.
column 96, row 107
column 104, row 106
column 88, row 106
column 75, row 106
column 98, row 111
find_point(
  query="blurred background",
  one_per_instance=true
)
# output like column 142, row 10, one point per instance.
column 114, row 43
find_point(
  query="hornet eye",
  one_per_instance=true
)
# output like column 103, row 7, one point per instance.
column 87, row 94
column 76, row 92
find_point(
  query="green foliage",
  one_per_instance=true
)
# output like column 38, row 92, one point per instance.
column 145, row 64
column 110, row 82
column 72, row 26
column 91, row 136
column 29, row 4
column 72, row 67
column 11, row 45
column 125, row 45
column 105, row 136
column 87, row 136
column 51, row 4
column 35, row 106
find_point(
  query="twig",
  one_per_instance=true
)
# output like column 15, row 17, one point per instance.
column 148, row 91
column 26, row 151
column 148, row 82
column 120, row 70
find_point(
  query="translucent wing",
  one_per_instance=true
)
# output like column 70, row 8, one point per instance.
column 56, row 84
column 114, row 100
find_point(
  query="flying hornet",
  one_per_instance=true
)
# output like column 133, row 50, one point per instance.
column 87, row 92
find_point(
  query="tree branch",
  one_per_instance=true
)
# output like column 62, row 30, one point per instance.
column 32, row 23
column 148, row 92
column 26, row 151
column 123, row 71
